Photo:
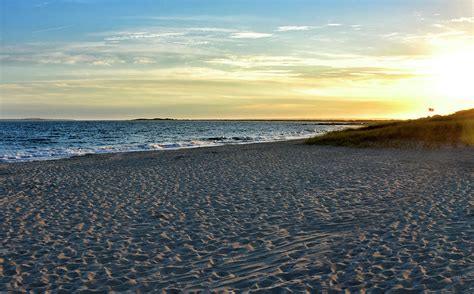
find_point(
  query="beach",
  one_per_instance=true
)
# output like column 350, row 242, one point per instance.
column 258, row 217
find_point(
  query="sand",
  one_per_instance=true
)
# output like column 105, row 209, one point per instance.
column 262, row 217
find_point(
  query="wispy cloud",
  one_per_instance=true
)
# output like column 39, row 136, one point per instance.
column 390, row 35
column 326, row 64
column 142, row 35
column 52, row 29
column 43, row 4
column 143, row 60
column 463, row 19
column 250, row 35
column 294, row 28
column 207, row 18
column 63, row 58
column 211, row 30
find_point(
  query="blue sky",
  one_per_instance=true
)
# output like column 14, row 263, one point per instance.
column 233, row 59
column 22, row 20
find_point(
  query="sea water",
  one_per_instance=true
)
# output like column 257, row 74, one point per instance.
column 44, row 140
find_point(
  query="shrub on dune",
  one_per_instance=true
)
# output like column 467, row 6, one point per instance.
column 451, row 130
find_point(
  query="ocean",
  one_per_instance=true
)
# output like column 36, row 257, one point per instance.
column 45, row 140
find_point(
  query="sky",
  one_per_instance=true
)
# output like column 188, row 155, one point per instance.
column 242, row 59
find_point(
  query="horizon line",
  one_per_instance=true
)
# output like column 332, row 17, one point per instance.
column 204, row 119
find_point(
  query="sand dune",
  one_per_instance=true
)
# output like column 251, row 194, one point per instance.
column 247, row 218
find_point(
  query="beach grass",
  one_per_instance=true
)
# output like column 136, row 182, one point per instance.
column 450, row 130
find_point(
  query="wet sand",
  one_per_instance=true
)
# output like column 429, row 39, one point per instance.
column 253, row 218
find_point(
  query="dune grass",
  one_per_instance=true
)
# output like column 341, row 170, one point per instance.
column 451, row 130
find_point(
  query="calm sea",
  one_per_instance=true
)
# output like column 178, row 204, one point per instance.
column 45, row 140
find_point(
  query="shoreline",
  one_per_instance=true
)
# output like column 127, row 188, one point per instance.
column 280, row 216
column 299, row 141
column 158, row 150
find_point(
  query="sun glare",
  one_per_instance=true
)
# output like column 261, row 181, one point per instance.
column 453, row 73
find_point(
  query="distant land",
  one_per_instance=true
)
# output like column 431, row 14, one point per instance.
column 156, row 118
column 36, row 119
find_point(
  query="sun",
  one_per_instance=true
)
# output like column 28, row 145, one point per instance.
column 453, row 74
